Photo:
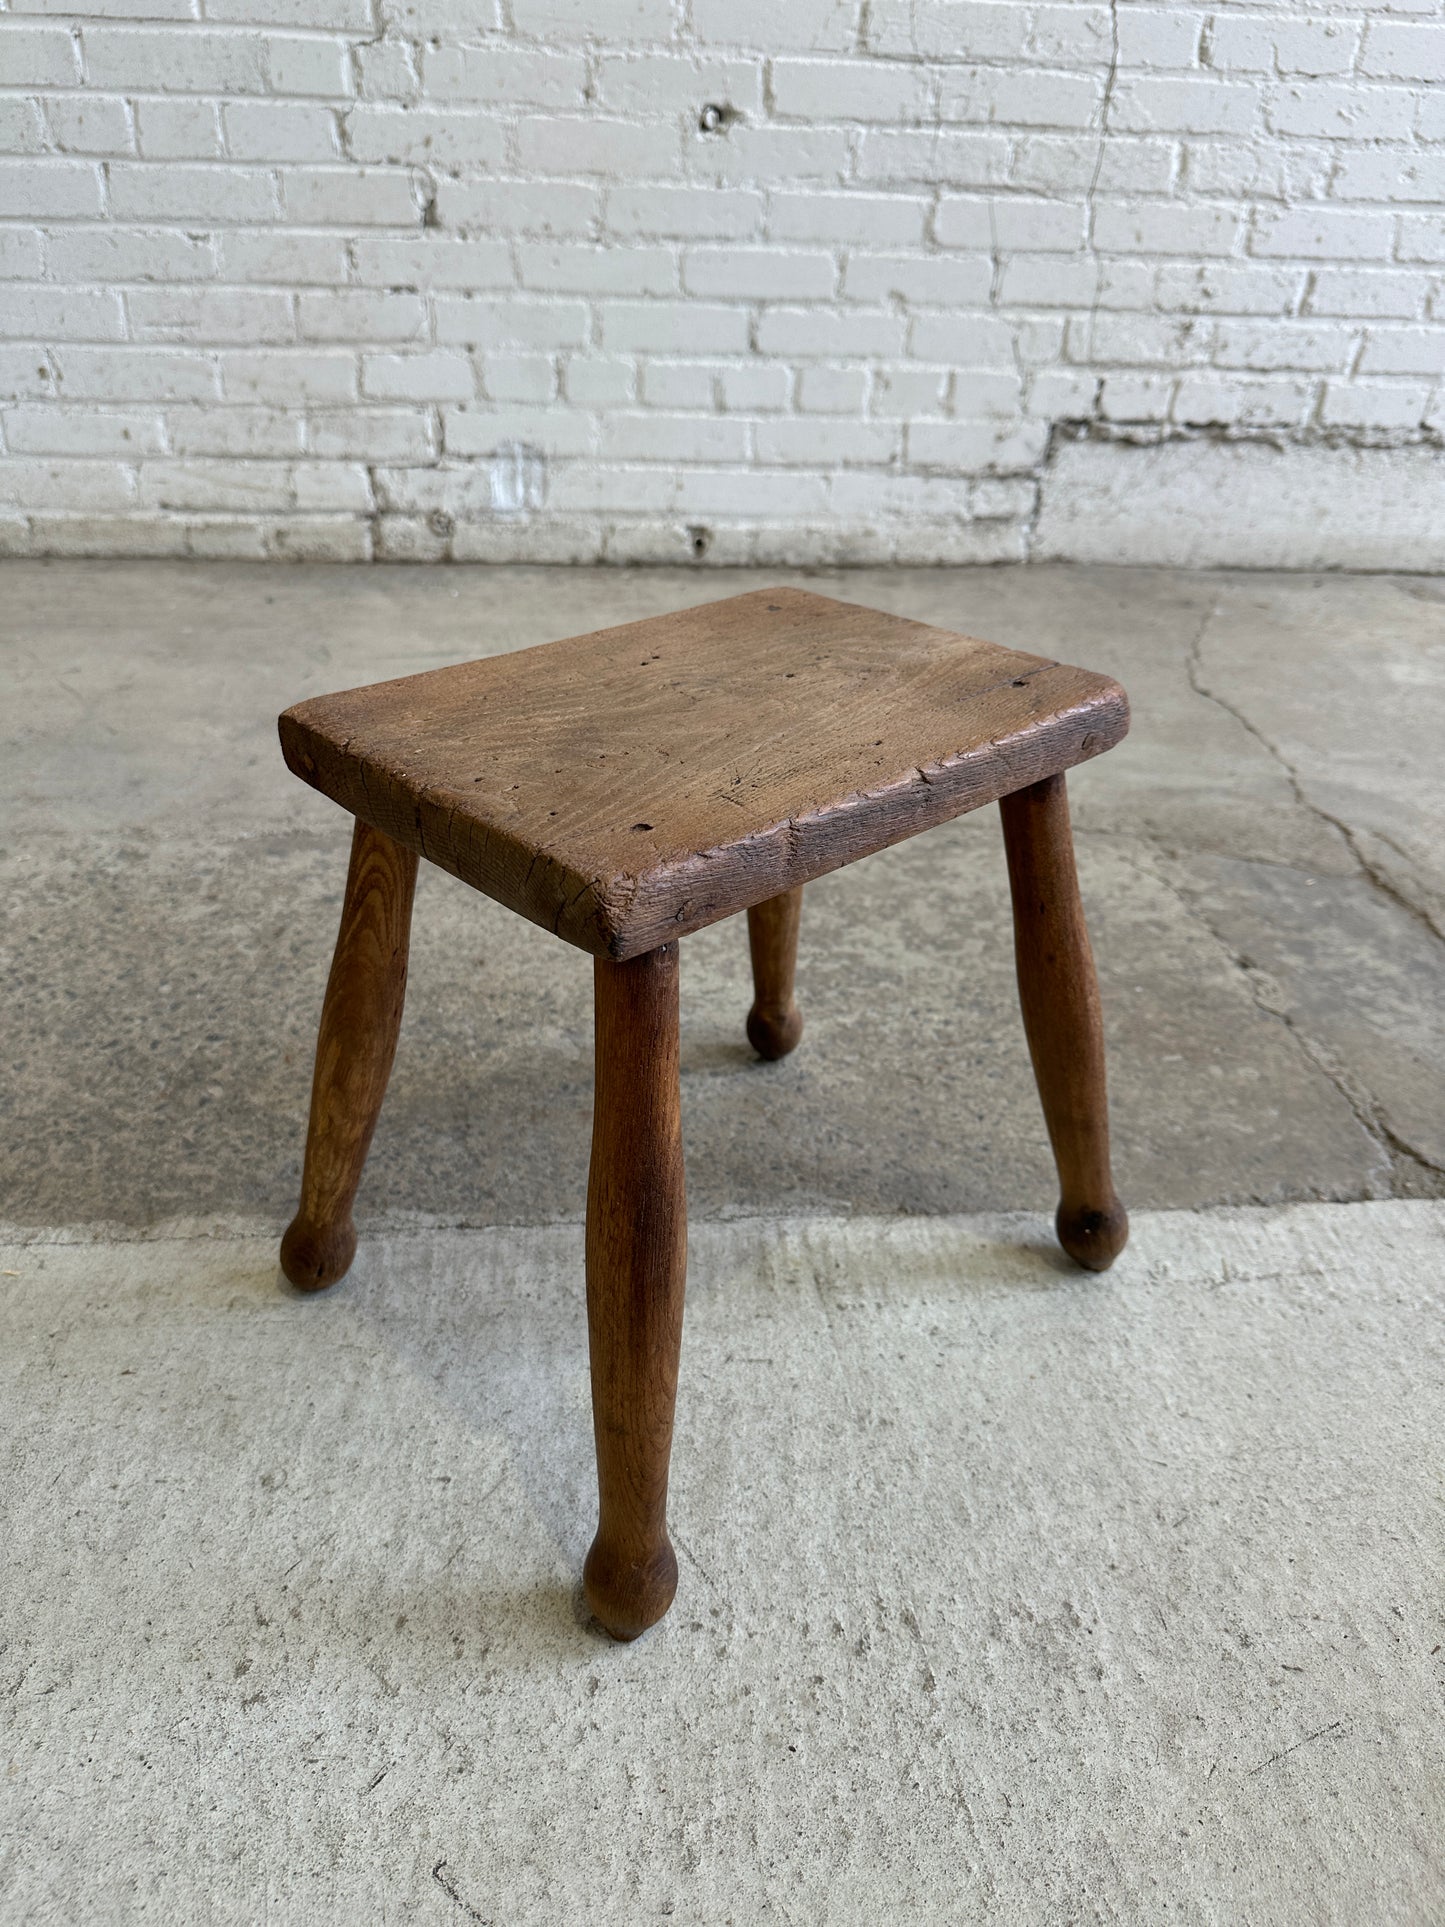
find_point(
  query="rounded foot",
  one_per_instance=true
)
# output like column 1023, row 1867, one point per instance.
column 1093, row 1238
column 624, row 1596
column 314, row 1259
column 773, row 1033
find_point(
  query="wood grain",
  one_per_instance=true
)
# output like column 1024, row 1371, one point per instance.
column 360, row 1018
column 624, row 788
column 636, row 1271
column 775, row 1024
column 1059, row 993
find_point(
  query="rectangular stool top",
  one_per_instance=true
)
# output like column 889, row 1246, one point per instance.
column 626, row 787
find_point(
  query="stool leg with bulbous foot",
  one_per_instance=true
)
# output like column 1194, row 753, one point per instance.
column 636, row 1271
column 775, row 1024
column 360, row 1019
column 1059, row 993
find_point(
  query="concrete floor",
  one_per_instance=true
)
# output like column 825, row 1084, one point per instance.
column 1008, row 1594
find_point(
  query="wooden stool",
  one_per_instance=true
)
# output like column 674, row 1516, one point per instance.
column 624, row 788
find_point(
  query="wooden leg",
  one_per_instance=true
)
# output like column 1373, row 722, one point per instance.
column 359, row 1022
column 775, row 1023
column 636, row 1268
column 1060, row 998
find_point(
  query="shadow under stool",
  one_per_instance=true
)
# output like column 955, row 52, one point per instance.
column 624, row 788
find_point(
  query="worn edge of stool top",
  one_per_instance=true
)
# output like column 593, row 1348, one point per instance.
column 625, row 787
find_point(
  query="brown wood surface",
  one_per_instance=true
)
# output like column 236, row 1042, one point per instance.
column 360, row 1019
column 636, row 1270
column 1059, row 994
column 624, row 788
column 775, row 1024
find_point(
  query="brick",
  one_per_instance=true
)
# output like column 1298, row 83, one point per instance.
column 908, row 392
column 1391, row 174
column 1404, row 351
column 673, row 327
column 1230, row 287
column 306, row 66
column 1331, row 110
column 548, row 208
column 1375, row 404
column 38, row 56
column 753, row 387
column 691, row 213
column 52, row 430
column 520, row 378
column 348, row 197
column 22, row 254
column 438, row 376
column 159, row 60
column 1136, row 398
column 1071, row 36
column 1253, row 44
column 342, row 16
column 1154, row 37
column 34, row 484
column 781, row 156
column 333, row 486
column 431, row 261
column 135, row 374
column 215, row 484
column 22, row 131
column 1404, row 50
column 359, row 314
column 599, row 381
column 264, row 130
column 90, row 124
column 1018, row 221
column 832, row 391
column 61, row 314
column 1205, row 106
column 503, row 76
column 288, row 376
column 257, row 433
column 950, row 30
column 649, row 84
column 283, row 254
column 562, row 145
column 852, row 90
column 824, row 441
column 857, row 220
column 1422, row 237
column 803, row 26
column 1166, row 228
column 624, row 19
column 182, row 191
column 828, row 334
column 763, row 274
column 1323, row 347
column 551, row 267
column 1385, row 293
column 48, row 190
column 179, row 130
column 1021, row 99
column 485, row 322
column 1323, row 233
column 25, row 374
column 206, row 317
column 405, row 137
column 1210, row 401
column 387, row 70
column 927, row 280
column 370, row 435
column 948, row 159
column 676, row 438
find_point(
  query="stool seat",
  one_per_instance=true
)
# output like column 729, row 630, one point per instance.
column 626, row 787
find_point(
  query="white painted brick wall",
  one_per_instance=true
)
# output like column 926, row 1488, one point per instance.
column 826, row 280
